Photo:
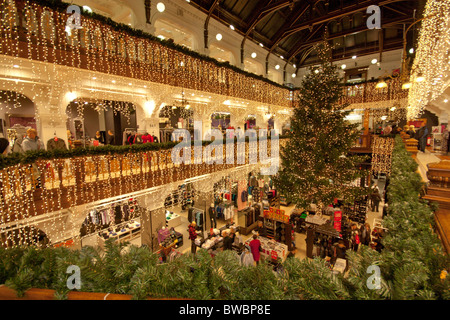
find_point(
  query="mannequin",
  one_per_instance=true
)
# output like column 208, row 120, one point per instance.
column 212, row 216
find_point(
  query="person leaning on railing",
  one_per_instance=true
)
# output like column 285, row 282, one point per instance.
column 33, row 143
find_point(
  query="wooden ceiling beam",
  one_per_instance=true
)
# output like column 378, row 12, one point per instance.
column 261, row 14
column 333, row 36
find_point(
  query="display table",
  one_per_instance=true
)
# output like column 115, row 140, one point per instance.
column 127, row 232
column 271, row 249
column 172, row 220
column 315, row 220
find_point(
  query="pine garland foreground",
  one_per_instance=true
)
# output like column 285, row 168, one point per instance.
column 411, row 263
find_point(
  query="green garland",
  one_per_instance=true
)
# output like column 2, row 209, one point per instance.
column 31, row 156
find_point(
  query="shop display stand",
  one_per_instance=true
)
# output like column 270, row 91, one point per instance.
column 278, row 231
column 180, row 197
column 126, row 232
column 173, row 221
column 284, row 201
column 357, row 212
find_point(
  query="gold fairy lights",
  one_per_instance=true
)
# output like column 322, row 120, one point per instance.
column 42, row 27
column 431, row 68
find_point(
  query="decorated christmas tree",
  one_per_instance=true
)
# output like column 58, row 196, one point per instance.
column 316, row 166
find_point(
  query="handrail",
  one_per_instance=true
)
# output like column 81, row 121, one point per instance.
column 36, row 31
column 49, row 185
column 7, row 293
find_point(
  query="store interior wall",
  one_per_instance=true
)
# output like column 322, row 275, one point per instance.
column 26, row 108
column 103, row 121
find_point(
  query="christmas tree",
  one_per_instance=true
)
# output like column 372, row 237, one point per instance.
column 315, row 165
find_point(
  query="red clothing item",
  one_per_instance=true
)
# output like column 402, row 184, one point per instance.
column 192, row 233
column 147, row 138
column 255, row 244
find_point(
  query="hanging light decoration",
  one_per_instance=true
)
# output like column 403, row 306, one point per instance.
column 432, row 58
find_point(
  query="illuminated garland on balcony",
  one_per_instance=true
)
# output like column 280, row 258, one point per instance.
column 431, row 67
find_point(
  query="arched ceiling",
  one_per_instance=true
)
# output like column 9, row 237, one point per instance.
column 289, row 28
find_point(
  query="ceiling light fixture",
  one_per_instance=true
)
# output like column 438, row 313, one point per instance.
column 381, row 84
column 253, row 55
column 374, row 61
column 218, row 37
column 406, row 85
column 231, row 27
column 160, row 7
column 277, row 66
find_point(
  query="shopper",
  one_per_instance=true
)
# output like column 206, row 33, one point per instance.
column 365, row 234
column 255, row 246
column 355, row 237
column 376, row 198
column 339, row 251
column 4, row 146
column 227, row 241
column 111, row 138
column 192, row 236
column 260, row 229
column 411, row 131
column 422, row 134
column 99, row 137
column 32, row 141
column 232, row 234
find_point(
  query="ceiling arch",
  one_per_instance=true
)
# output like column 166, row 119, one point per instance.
column 283, row 27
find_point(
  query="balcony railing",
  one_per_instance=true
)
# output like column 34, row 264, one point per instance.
column 368, row 93
column 48, row 185
column 32, row 31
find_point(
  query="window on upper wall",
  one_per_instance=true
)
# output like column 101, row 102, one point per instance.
column 253, row 67
column 220, row 54
column 168, row 30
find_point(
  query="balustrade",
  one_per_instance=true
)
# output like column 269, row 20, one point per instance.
column 28, row 190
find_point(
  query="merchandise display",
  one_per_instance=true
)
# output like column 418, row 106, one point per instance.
column 274, row 150
column 271, row 249
column 172, row 219
column 124, row 232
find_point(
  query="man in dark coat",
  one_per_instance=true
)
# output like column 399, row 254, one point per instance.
column 422, row 134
